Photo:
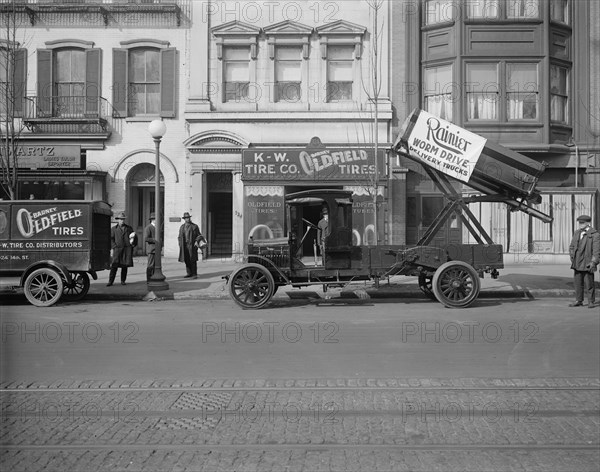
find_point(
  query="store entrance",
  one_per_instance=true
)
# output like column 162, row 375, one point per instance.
column 220, row 218
column 141, row 198
column 311, row 213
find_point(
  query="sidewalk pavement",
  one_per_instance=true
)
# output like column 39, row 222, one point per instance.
column 533, row 279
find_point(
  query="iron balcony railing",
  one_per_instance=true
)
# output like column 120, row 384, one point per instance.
column 67, row 113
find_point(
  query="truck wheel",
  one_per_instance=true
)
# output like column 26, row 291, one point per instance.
column 43, row 287
column 78, row 288
column 456, row 284
column 425, row 285
column 251, row 286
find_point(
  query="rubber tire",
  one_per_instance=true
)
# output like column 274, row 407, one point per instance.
column 456, row 272
column 78, row 289
column 242, row 283
column 43, row 287
column 426, row 288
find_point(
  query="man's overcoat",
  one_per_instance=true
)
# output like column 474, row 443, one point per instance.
column 121, row 245
column 584, row 250
column 189, row 234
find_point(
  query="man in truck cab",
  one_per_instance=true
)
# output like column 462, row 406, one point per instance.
column 323, row 230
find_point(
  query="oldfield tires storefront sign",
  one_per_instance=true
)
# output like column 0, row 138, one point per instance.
column 271, row 173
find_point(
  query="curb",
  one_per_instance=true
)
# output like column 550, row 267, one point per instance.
column 347, row 294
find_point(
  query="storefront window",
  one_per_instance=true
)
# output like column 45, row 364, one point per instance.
column 264, row 214
column 52, row 190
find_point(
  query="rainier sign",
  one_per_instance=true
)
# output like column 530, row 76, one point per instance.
column 444, row 146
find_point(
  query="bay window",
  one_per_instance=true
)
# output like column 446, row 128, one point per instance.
column 482, row 91
column 438, row 91
column 559, row 110
column 522, row 91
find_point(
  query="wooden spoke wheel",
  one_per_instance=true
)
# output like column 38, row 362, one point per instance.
column 251, row 286
column 456, row 284
column 43, row 287
column 426, row 285
column 78, row 288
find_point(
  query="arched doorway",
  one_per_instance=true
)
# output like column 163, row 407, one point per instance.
column 141, row 191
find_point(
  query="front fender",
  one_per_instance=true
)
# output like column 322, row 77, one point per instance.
column 57, row 266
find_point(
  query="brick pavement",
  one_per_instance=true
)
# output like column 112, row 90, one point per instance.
column 303, row 425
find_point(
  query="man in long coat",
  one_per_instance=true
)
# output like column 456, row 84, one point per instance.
column 150, row 239
column 122, row 239
column 585, row 257
column 189, row 241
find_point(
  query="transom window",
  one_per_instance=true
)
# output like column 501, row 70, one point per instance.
column 236, row 73
column 340, row 73
column 144, row 81
column 288, row 74
column 438, row 91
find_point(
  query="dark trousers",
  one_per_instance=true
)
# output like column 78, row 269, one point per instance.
column 584, row 279
column 150, row 266
column 113, row 273
column 191, row 268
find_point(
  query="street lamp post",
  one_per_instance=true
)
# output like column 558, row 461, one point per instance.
column 157, row 129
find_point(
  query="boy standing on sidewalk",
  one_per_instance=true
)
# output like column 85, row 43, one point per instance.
column 585, row 257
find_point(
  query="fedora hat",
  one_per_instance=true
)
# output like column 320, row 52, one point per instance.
column 186, row 215
column 120, row 216
column 152, row 216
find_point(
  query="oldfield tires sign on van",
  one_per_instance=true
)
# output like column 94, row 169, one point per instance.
column 48, row 227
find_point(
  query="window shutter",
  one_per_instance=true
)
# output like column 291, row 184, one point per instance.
column 44, row 80
column 120, row 82
column 168, row 65
column 20, row 84
column 93, row 58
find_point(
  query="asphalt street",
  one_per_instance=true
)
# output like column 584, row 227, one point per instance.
column 382, row 385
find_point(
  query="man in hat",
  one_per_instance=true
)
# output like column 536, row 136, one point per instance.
column 190, row 239
column 323, row 230
column 585, row 256
column 149, row 237
column 123, row 239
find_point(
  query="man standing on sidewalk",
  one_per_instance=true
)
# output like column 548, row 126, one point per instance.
column 189, row 240
column 585, row 256
column 149, row 237
column 122, row 240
